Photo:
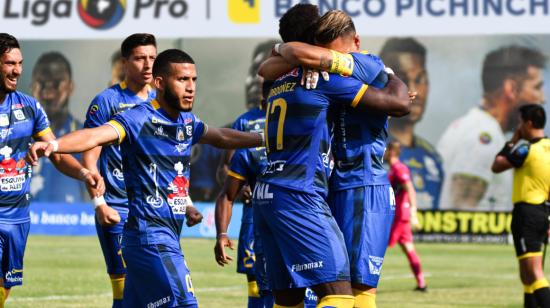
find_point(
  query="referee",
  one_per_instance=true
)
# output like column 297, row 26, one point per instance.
column 529, row 154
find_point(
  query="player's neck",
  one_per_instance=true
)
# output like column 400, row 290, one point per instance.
column 497, row 108
column 3, row 96
column 173, row 113
column 535, row 134
column 141, row 90
column 404, row 133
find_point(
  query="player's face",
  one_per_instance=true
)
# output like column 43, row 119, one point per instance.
column 11, row 67
column 139, row 65
column 180, row 86
column 530, row 92
column 52, row 86
column 413, row 73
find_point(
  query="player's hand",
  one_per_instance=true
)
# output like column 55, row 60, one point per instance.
column 219, row 250
column 310, row 78
column 106, row 215
column 415, row 224
column 37, row 150
column 94, row 184
column 192, row 215
column 247, row 195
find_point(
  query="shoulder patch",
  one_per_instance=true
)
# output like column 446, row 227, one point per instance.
column 485, row 138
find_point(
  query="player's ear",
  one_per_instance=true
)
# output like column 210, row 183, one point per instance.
column 510, row 88
column 159, row 83
column 357, row 41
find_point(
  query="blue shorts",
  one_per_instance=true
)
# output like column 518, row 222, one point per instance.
column 259, row 263
column 245, row 251
column 109, row 240
column 302, row 243
column 13, row 239
column 365, row 216
column 157, row 276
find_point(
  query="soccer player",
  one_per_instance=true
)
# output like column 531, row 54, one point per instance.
column 405, row 212
column 512, row 76
column 303, row 244
column 21, row 119
column 156, row 139
column 359, row 179
column 528, row 153
column 52, row 85
column 245, row 166
column 138, row 54
column 407, row 58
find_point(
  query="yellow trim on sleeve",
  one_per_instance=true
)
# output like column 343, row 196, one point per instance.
column 539, row 284
column 43, row 132
column 155, row 104
column 120, row 130
column 530, row 254
column 365, row 52
column 360, row 94
column 236, row 175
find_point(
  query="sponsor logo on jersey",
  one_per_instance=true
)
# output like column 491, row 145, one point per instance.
column 4, row 119
column 117, row 173
column 160, row 132
column 19, row 115
column 156, row 120
column 159, row 302
column 261, row 192
column 181, row 147
column 5, row 132
column 275, row 166
column 179, row 134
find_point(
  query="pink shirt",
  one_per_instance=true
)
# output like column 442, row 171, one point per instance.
column 398, row 175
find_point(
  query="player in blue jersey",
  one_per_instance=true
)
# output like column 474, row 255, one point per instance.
column 138, row 54
column 21, row 119
column 156, row 141
column 407, row 57
column 52, row 85
column 358, row 146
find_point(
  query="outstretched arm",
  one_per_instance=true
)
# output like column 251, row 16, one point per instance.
column 393, row 100
column 224, row 207
column 227, row 138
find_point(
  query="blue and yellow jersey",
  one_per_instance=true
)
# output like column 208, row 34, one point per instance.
column 247, row 164
column 359, row 138
column 104, row 106
column 67, row 189
column 21, row 119
column 297, row 133
column 426, row 168
column 155, row 156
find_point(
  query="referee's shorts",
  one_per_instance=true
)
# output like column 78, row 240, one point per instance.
column 529, row 229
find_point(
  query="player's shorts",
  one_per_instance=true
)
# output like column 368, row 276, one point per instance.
column 401, row 233
column 260, row 263
column 245, row 250
column 157, row 276
column 529, row 228
column 13, row 239
column 109, row 240
column 365, row 216
column 302, row 243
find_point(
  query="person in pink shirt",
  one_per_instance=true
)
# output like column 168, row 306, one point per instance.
column 405, row 211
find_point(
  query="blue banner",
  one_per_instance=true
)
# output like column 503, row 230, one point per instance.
column 78, row 219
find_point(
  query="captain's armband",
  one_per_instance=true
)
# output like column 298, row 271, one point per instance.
column 341, row 64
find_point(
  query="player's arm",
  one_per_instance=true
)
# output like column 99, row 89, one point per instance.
column 224, row 207
column 411, row 192
column 69, row 166
column 393, row 100
column 227, row 138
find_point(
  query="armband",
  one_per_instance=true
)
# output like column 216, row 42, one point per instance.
column 341, row 64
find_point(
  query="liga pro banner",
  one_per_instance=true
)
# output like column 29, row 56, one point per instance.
column 464, row 227
column 79, row 219
column 88, row 19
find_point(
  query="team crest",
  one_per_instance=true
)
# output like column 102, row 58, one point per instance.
column 375, row 265
column 19, row 115
column 180, row 135
column 485, row 138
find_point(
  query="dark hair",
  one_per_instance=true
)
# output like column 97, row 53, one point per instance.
column 165, row 58
column 299, row 23
column 136, row 40
column 534, row 113
column 510, row 62
column 404, row 45
column 332, row 25
column 7, row 43
column 50, row 58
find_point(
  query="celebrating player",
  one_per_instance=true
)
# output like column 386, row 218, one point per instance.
column 405, row 212
column 138, row 54
column 156, row 140
column 21, row 119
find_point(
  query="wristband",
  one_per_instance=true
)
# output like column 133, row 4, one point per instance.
column 277, row 48
column 54, row 144
column 83, row 173
column 98, row 201
column 221, row 234
column 263, row 139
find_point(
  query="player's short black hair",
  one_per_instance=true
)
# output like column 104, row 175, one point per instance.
column 534, row 113
column 7, row 43
column 510, row 62
column 136, row 40
column 405, row 45
column 165, row 58
column 299, row 23
column 52, row 57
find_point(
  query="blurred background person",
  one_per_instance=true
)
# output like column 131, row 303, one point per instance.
column 117, row 69
column 407, row 58
column 52, row 85
column 512, row 77
column 405, row 211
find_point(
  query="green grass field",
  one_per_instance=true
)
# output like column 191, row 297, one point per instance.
column 69, row 272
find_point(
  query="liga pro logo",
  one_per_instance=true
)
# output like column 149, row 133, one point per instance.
column 244, row 11
column 101, row 14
